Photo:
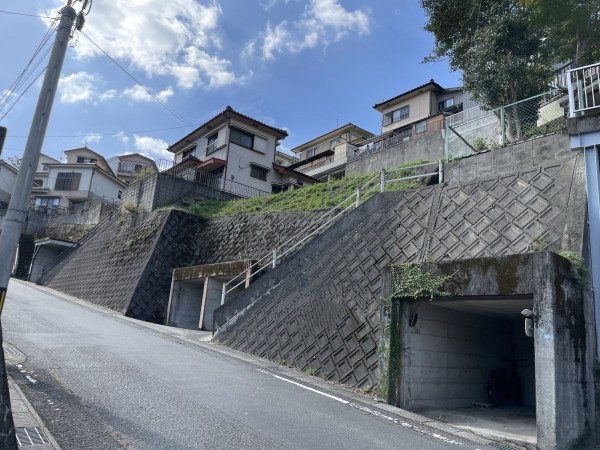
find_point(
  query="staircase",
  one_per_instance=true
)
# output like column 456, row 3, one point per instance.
column 26, row 248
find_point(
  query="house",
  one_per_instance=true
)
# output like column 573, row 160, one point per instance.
column 85, row 177
column 124, row 166
column 421, row 109
column 283, row 159
column 234, row 148
column 8, row 176
column 325, row 157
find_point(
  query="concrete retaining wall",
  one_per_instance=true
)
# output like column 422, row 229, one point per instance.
column 425, row 148
column 158, row 190
column 532, row 153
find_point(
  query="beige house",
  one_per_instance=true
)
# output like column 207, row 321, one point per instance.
column 125, row 166
column 236, row 153
column 85, row 177
column 325, row 157
column 421, row 110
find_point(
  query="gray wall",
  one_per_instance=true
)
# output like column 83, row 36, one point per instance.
column 186, row 300
column 447, row 356
column 213, row 301
column 529, row 154
column 44, row 256
column 158, row 190
column 425, row 148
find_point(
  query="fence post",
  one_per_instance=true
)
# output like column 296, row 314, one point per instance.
column 441, row 172
column 446, row 138
column 357, row 197
column 382, row 181
column 274, row 258
column 223, row 292
column 503, row 125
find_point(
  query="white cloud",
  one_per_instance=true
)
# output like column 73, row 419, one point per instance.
column 82, row 87
column 323, row 22
column 123, row 139
column 92, row 138
column 178, row 38
column 152, row 147
column 268, row 4
column 139, row 94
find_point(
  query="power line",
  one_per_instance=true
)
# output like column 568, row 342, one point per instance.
column 163, row 104
column 108, row 134
column 24, row 14
column 23, row 93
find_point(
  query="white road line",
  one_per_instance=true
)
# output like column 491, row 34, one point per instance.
column 370, row 411
column 333, row 397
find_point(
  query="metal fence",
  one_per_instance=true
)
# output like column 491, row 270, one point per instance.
column 376, row 145
column 584, row 89
column 188, row 170
column 363, row 193
column 476, row 130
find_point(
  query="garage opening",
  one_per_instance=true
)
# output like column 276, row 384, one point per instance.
column 196, row 293
column 469, row 362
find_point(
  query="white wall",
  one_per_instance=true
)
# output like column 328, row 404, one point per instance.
column 106, row 186
column 7, row 182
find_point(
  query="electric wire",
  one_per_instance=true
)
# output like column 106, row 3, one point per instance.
column 23, row 93
column 163, row 104
column 23, row 14
column 39, row 55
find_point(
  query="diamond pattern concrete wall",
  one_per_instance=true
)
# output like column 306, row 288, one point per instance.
column 321, row 309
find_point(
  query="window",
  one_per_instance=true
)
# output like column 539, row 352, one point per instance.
column 446, row 104
column 421, row 127
column 130, row 167
column 248, row 140
column 38, row 183
column 84, row 160
column 396, row 115
column 212, row 143
column 67, row 181
column 189, row 152
column 258, row 172
column 120, row 194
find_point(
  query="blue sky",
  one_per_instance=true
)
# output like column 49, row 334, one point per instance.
column 307, row 66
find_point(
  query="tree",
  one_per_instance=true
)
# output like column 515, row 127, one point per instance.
column 572, row 28
column 494, row 43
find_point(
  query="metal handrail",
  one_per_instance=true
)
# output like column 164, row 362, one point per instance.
column 583, row 89
column 360, row 196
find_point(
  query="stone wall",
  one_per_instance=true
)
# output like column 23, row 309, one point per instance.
column 320, row 309
column 127, row 266
column 425, row 148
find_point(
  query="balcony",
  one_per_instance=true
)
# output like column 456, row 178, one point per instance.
column 584, row 90
column 325, row 147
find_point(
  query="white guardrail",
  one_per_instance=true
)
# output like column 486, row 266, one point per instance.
column 584, row 84
column 378, row 182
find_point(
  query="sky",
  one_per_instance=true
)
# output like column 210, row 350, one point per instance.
column 307, row 66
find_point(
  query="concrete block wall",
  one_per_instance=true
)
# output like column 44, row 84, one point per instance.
column 425, row 148
column 159, row 189
column 532, row 153
column 447, row 356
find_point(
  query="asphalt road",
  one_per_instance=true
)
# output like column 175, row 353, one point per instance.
column 100, row 381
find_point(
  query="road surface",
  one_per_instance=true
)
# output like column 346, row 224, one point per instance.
column 101, row 381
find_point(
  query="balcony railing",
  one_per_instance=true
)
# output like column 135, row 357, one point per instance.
column 191, row 173
column 372, row 146
column 323, row 147
column 584, row 85
column 341, row 158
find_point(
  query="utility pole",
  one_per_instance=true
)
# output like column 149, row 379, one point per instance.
column 17, row 209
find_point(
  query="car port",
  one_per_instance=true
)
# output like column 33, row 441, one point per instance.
column 441, row 350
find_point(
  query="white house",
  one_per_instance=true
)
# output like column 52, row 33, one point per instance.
column 125, row 166
column 8, row 177
column 236, row 148
column 85, row 177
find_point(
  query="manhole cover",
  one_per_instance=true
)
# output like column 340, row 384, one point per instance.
column 28, row 436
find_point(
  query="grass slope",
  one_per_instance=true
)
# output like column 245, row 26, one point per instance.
column 316, row 197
